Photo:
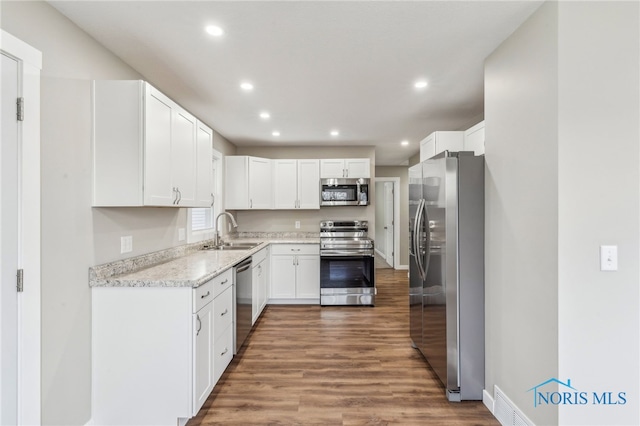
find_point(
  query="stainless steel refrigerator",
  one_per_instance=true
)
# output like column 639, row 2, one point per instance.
column 446, row 271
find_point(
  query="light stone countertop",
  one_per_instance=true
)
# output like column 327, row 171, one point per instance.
column 192, row 269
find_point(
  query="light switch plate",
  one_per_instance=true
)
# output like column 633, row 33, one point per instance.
column 181, row 234
column 297, row 224
column 608, row 258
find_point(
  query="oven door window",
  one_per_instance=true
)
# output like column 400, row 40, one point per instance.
column 347, row 272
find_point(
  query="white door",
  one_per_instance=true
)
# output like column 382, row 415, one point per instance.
column 9, row 237
column 389, row 222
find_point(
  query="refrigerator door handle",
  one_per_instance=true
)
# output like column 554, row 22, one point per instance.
column 428, row 249
column 418, row 239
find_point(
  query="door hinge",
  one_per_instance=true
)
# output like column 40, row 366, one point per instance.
column 20, row 109
column 20, row 279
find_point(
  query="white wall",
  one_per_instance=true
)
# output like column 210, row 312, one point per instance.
column 521, row 213
column 562, row 110
column 75, row 236
column 598, row 193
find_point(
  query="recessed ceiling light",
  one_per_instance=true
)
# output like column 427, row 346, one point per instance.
column 214, row 31
column 404, row 143
column 420, row 84
column 335, row 133
column 275, row 133
column 246, row 86
column 264, row 115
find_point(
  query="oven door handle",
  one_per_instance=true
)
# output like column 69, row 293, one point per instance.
column 345, row 253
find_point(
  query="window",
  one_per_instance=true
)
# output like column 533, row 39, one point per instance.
column 200, row 220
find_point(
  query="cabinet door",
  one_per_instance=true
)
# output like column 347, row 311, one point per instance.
column 158, row 188
column 332, row 168
column 236, row 182
column 255, row 284
column 260, row 189
column 183, row 156
column 285, row 184
column 307, row 277
column 358, row 168
column 474, row 139
column 308, row 184
column 204, row 170
column 203, row 356
column 428, row 147
column 283, row 277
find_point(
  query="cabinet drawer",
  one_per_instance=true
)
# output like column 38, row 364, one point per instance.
column 279, row 249
column 222, row 312
column 222, row 353
column 222, row 282
column 202, row 295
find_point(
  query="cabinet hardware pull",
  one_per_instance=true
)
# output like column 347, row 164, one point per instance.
column 224, row 282
column 175, row 195
column 250, row 203
column 213, row 199
column 199, row 325
column 179, row 195
column 295, row 249
column 224, row 352
column 226, row 311
column 208, row 293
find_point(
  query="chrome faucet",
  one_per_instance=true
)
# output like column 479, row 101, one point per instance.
column 216, row 235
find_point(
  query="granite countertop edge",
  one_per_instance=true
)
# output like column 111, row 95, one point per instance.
column 189, row 267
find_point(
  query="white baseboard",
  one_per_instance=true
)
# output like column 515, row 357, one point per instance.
column 487, row 400
column 402, row 268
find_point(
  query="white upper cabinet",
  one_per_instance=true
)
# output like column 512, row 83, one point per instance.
column 296, row 184
column 345, row 168
column 144, row 147
column 204, row 169
column 308, row 184
column 438, row 142
column 474, row 139
column 247, row 183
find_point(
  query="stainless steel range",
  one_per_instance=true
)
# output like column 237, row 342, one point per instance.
column 347, row 269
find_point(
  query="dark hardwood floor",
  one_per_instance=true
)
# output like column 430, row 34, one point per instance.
column 306, row 365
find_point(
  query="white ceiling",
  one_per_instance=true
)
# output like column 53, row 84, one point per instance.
column 315, row 65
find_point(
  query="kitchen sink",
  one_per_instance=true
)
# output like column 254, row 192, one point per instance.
column 232, row 246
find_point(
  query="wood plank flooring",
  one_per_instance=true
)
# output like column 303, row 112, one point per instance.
column 306, row 365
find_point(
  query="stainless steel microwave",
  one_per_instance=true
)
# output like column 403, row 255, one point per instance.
column 344, row 192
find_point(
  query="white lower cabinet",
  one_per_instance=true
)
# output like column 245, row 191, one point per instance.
column 259, row 283
column 203, row 380
column 158, row 352
column 295, row 273
column 223, row 332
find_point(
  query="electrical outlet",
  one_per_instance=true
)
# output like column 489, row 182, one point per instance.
column 126, row 244
column 608, row 258
column 297, row 224
column 181, row 234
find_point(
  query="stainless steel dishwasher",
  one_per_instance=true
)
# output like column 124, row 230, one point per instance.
column 244, row 293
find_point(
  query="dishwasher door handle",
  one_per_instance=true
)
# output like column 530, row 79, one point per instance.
column 243, row 266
